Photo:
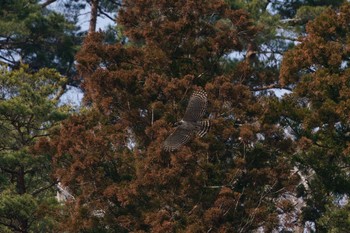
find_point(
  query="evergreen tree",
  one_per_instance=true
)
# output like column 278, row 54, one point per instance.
column 317, row 113
column 28, row 113
column 282, row 24
column 34, row 35
column 110, row 156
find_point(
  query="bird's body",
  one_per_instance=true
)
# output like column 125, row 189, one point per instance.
column 191, row 123
column 188, row 125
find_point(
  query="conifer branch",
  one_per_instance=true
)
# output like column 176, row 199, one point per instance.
column 48, row 2
column 105, row 14
column 287, row 38
column 44, row 188
column 275, row 85
column 8, row 170
column 11, row 226
column 215, row 186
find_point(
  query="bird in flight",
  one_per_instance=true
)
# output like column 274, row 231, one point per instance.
column 191, row 123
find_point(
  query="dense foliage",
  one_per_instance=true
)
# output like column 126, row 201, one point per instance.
column 28, row 112
column 268, row 163
column 319, row 108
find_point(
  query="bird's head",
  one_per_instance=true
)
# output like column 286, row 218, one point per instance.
column 179, row 123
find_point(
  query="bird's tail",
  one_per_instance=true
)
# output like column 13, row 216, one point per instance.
column 204, row 128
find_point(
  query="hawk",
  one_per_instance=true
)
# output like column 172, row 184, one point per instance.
column 191, row 123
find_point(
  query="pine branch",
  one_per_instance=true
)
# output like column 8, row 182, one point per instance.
column 287, row 38
column 61, row 91
column 105, row 14
column 215, row 186
column 7, row 60
column 48, row 2
column 8, row 170
column 293, row 20
column 11, row 226
column 44, row 188
column 271, row 86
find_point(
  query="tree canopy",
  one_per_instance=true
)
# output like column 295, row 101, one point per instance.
column 269, row 163
column 28, row 113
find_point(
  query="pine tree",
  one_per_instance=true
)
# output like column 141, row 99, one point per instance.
column 34, row 35
column 282, row 24
column 110, row 156
column 28, row 113
column 317, row 113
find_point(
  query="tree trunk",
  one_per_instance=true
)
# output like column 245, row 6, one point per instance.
column 93, row 18
column 21, row 186
column 21, row 189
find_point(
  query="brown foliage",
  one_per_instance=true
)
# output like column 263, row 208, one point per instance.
column 318, row 110
column 111, row 158
column 325, row 47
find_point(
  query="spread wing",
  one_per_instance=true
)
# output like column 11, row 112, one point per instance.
column 194, row 112
column 196, row 107
column 178, row 138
